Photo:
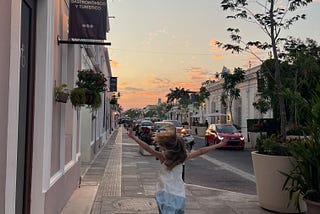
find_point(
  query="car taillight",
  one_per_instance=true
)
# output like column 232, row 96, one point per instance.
column 184, row 131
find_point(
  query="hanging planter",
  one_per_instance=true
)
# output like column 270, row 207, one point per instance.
column 93, row 99
column 78, row 97
column 61, row 93
column 89, row 86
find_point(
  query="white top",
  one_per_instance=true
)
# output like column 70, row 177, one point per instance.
column 171, row 180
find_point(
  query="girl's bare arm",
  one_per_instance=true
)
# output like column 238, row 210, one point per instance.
column 207, row 149
column 144, row 145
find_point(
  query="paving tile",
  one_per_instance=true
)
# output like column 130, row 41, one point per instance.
column 127, row 183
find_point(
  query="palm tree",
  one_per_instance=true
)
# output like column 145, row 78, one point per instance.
column 230, row 92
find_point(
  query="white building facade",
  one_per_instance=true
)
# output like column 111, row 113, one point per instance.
column 242, row 108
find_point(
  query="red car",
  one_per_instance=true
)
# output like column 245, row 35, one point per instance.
column 217, row 132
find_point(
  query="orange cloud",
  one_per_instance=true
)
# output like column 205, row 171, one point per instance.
column 197, row 73
column 214, row 47
column 218, row 56
column 114, row 64
column 133, row 95
column 122, row 84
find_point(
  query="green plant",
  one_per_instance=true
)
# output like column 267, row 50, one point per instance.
column 90, row 85
column 272, row 145
column 304, row 179
column 93, row 99
column 91, row 80
column 78, row 96
column 113, row 101
column 61, row 93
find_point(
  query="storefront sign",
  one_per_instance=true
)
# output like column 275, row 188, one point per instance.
column 113, row 84
column 87, row 19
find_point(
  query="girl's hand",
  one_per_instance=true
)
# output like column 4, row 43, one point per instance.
column 222, row 143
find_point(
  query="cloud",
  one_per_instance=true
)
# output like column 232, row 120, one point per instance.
column 114, row 64
column 216, row 56
column 133, row 89
column 214, row 48
column 122, row 84
column 219, row 53
column 149, row 89
column 197, row 73
column 152, row 35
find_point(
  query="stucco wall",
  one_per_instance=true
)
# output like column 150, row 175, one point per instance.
column 4, row 91
column 58, row 194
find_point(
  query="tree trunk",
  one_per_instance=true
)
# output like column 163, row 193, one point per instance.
column 281, row 103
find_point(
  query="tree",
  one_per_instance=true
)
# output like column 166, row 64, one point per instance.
column 180, row 97
column 300, row 71
column 132, row 113
column 304, row 61
column 197, row 98
column 162, row 109
column 272, row 21
column 230, row 91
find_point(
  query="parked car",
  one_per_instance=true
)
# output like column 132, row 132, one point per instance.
column 157, row 126
column 145, row 131
column 176, row 123
column 136, row 127
column 217, row 132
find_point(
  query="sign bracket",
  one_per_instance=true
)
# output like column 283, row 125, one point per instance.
column 81, row 42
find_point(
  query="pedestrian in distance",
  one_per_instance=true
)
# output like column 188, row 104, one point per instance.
column 170, row 195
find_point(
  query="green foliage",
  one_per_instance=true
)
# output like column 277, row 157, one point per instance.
column 93, row 99
column 299, row 77
column 93, row 81
column 61, row 88
column 90, row 85
column 272, row 146
column 230, row 91
column 61, row 93
column 78, row 97
column 275, row 17
column 304, row 179
column 113, row 101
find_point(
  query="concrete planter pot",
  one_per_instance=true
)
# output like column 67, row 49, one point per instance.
column 269, row 182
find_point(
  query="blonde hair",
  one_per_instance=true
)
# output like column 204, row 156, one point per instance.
column 173, row 147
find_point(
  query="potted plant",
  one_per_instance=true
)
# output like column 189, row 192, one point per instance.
column 304, row 179
column 61, row 93
column 272, row 157
column 89, row 86
column 78, row 97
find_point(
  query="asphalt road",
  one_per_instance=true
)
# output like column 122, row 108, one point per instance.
column 223, row 169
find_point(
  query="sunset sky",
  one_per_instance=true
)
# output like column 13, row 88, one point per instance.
column 161, row 44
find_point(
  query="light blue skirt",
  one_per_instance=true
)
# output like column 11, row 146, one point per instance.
column 169, row 203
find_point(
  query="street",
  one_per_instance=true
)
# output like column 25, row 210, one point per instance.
column 223, row 169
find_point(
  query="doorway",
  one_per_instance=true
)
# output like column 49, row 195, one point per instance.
column 26, row 107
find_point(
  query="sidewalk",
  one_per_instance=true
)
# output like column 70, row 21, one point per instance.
column 121, row 180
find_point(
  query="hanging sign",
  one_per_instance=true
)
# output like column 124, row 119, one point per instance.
column 113, row 84
column 87, row 19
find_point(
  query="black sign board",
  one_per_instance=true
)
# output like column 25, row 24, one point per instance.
column 113, row 84
column 87, row 19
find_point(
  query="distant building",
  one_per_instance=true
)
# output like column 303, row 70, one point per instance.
column 242, row 108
